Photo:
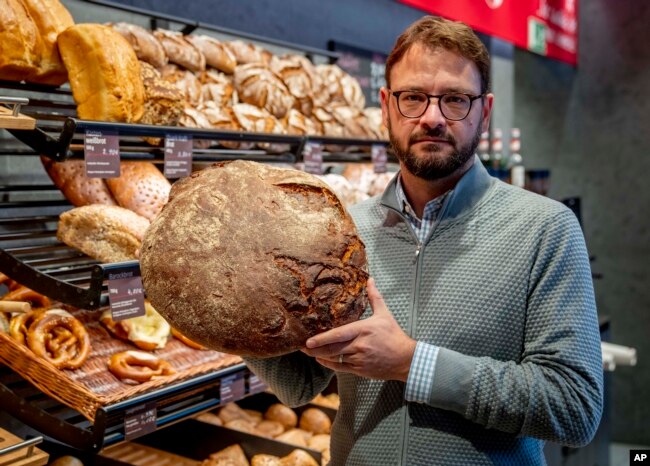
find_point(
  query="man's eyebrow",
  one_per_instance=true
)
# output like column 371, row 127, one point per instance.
column 447, row 90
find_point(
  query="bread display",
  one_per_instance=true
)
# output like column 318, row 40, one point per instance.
column 51, row 19
column 180, row 51
column 145, row 45
column 256, row 84
column 217, row 54
column 70, row 177
column 310, row 265
column 141, row 188
column 104, row 73
column 21, row 46
column 105, row 233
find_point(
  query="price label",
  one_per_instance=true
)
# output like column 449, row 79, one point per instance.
column 233, row 388
column 125, row 293
column 379, row 158
column 312, row 155
column 178, row 155
column 255, row 384
column 140, row 421
column 102, row 154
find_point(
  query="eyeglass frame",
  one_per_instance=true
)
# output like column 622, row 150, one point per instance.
column 471, row 97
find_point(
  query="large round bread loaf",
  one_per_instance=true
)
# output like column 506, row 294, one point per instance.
column 252, row 260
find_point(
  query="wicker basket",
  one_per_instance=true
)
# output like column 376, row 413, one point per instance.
column 93, row 385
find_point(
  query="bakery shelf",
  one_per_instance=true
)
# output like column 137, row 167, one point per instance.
column 173, row 403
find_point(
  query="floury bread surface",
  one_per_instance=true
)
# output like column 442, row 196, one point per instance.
column 253, row 260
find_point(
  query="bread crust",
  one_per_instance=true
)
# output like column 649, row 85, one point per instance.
column 21, row 46
column 104, row 73
column 253, row 260
column 106, row 233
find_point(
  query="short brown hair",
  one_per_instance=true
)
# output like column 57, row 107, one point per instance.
column 434, row 32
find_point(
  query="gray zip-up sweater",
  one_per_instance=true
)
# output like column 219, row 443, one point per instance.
column 503, row 287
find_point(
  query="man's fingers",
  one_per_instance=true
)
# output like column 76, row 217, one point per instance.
column 336, row 335
column 374, row 296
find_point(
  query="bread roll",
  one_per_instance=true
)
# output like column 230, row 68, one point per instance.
column 21, row 46
column 210, row 418
column 51, row 19
column 262, row 459
column 70, row 177
column 104, row 73
column 256, row 84
column 232, row 411
column 319, row 442
column 282, row 414
column 234, row 455
column 145, row 45
column 141, row 187
column 308, row 269
column 180, row 51
column 245, row 52
column 315, row 421
column 217, row 54
column 269, row 428
column 297, row 437
column 298, row 458
column 105, row 233
column 66, row 461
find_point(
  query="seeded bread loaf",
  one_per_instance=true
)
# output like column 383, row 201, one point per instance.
column 106, row 233
column 253, row 260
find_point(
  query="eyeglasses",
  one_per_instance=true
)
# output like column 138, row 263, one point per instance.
column 453, row 106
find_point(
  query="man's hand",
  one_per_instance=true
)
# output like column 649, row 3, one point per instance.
column 375, row 348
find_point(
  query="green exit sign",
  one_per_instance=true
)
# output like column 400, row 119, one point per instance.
column 536, row 36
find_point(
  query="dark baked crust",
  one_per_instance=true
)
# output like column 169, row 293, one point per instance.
column 253, row 260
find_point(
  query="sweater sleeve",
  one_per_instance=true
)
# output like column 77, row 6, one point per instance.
column 295, row 378
column 555, row 392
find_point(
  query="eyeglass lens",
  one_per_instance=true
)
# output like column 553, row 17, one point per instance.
column 452, row 106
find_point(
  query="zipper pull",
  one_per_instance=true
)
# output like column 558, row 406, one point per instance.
column 417, row 252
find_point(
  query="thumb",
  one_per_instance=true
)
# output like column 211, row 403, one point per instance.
column 376, row 299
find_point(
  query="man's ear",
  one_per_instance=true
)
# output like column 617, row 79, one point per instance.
column 488, row 101
column 384, row 96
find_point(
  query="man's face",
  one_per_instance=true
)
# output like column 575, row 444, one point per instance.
column 432, row 147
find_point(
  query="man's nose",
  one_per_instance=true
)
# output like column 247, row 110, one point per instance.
column 433, row 117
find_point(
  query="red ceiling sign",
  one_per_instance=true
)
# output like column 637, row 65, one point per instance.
column 546, row 27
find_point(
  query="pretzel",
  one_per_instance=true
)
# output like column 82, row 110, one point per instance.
column 59, row 338
column 8, row 282
column 138, row 366
column 4, row 323
column 20, row 323
column 22, row 293
column 187, row 341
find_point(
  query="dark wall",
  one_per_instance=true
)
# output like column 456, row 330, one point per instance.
column 373, row 24
column 589, row 125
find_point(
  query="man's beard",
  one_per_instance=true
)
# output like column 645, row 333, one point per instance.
column 428, row 166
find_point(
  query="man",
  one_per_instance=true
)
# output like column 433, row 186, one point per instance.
column 486, row 342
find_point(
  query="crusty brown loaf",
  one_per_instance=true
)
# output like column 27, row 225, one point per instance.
column 185, row 81
column 141, row 187
column 217, row 87
column 104, row 73
column 180, row 51
column 70, row 177
column 257, row 85
column 21, row 46
column 297, row 80
column 217, row 54
column 163, row 101
column 250, row 259
column 51, row 19
column 105, row 233
column 145, row 45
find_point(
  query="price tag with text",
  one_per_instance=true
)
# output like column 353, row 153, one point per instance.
column 255, row 384
column 102, row 154
column 312, row 155
column 233, row 388
column 379, row 158
column 178, row 155
column 140, row 421
column 125, row 293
